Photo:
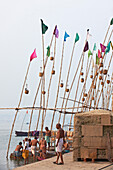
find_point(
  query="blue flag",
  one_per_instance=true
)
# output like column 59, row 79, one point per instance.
column 65, row 36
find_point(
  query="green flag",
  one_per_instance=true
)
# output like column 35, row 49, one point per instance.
column 44, row 27
column 94, row 48
column 108, row 48
column 111, row 23
column 97, row 59
column 48, row 51
column 89, row 53
column 77, row 37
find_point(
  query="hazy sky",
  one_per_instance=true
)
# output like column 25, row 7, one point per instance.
column 20, row 33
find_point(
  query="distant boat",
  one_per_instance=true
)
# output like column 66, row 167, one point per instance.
column 22, row 133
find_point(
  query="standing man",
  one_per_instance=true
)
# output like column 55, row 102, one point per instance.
column 59, row 144
column 47, row 137
column 33, row 147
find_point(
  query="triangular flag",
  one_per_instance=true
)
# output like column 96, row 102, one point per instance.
column 77, row 37
column 44, row 27
column 56, row 33
column 108, row 48
column 33, row 55
column 97, row 59
column 86, row 46
column 111, row 45
column 27, row 111
column 89, row 53
column 94, row 48
column 111, row 23
column 99, row 54
column 48, row 51
column 66, row 36
column 103, row 47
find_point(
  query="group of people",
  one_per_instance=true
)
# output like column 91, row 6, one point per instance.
column 31, row 145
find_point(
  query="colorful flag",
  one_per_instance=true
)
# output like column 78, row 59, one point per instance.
column 97, row 59
column 103, row 47
column 66, row 36
column 94, row 48
column 111, row 23
column 27, row 111
column 89, row 53
column 77, row 37
column 56, row 33
column 48, row 51
column 44, row 27
column 54, row 30
column 111, row 45
column 33, row 55
column 108, row 48
column 99, row 54
column 86, row 47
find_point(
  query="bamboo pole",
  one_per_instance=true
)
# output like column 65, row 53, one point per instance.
column 39, row 87
column 76, row 91
column 58, row 85
column 40, row 109
column 50, row 80
column 17, row 110
column 104, row 80
column 67, row 78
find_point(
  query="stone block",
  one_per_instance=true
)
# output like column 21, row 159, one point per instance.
column 94, row 142
column 88, row 153
column 92, row 130
column 77, row 131
column 76, row 141
column 76, row 154
column 105, row 119
column 101, row 153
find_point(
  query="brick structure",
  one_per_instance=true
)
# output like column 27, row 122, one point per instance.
column 93, row 135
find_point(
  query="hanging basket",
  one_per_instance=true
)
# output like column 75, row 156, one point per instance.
column 85, row 94
column 53, row 72
column 82, row 80
column 43, row 92
column 26, row 91
column 83, row 99
column 101, row 71
column 91, row 76
column 40, row 74
column 108, row 81
column 100, row 77
column 51, row 58
column 61, row 85
column 93, row 98
column 81, row 73
column 94, row 86
column 101, row 65
column 105, row 71
column 102, row 83
column 67, row 90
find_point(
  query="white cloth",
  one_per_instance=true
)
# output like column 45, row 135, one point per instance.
column 33, row 150
column 26, row 145
column 60, row 145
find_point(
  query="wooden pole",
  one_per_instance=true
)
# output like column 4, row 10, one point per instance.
column 67, row 78
column 17, row 110
column 39, row 87
column 58, row 85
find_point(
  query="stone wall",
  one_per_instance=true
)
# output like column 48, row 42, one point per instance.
column 93, row 135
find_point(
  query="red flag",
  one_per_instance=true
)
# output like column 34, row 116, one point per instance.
column 27, row 111
column 99, row 54
column 33, row 55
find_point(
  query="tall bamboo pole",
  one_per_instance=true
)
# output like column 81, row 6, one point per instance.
column 67, row 78
column 39, row 87
column 17, row 110
column 58, row 84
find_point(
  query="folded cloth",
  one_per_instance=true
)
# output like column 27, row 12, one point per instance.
column 60, row 145
column 47, row 138
column 33, row 150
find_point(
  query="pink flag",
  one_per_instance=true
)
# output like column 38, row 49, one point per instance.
column 103, row 48
column 33, row 55
column 99, row 54
column 56, row 33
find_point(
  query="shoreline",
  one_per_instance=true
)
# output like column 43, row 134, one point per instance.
column 68, row 164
